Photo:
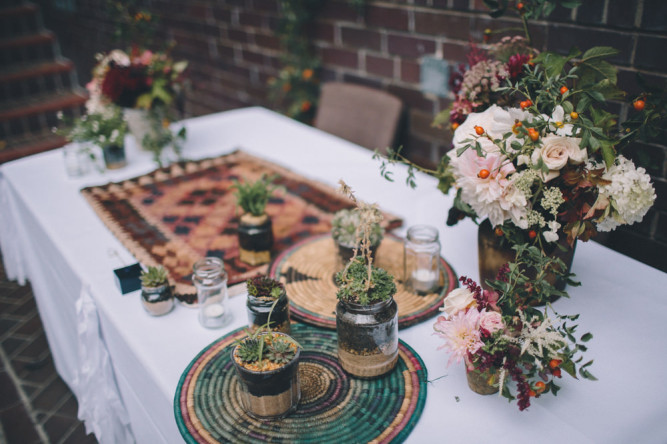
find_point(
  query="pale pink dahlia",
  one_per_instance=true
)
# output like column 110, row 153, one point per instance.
column 461, row 334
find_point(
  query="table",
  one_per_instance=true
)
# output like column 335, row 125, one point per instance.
column 124, row 365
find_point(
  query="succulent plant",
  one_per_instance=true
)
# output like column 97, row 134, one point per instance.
column 154, row 277
column 252, row 197
column 264, row 287
column 280, row 351
column 250, row 349
column 357, row 285
column 344, row 229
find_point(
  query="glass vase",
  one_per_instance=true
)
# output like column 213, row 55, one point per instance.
column 210, row 279
column 421, row 259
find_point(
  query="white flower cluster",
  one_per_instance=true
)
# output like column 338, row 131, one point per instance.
column 630, row 194
column 483, row 78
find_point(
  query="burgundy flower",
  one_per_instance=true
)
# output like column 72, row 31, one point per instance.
column 515, row 65
column 123, row 84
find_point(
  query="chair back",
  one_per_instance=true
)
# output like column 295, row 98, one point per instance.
column 366, row 116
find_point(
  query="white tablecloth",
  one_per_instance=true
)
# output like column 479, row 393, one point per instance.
column 124, row 365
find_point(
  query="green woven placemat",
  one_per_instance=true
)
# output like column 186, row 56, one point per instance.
column 334, row 407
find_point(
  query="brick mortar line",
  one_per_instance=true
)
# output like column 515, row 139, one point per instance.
column 22, row 395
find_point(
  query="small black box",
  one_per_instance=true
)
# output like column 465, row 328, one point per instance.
column 127, row 278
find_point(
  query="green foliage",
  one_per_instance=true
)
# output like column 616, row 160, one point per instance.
column 102, row 129
column 280, row 352
column 132, row 23
column 354, row 284
column 161, row 136
column 533, row 9
column 345, row 225
column 250, row 350
column 650, row 123
column 264, row 287
column 154, row 277
column 253, row 197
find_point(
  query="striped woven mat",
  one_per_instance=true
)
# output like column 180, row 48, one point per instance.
column 334, row 408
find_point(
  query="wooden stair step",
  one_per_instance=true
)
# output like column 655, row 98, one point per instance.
column 30, row 70
column 28, row 145
column 21, row 9
column 45, row 104
column 40, row 38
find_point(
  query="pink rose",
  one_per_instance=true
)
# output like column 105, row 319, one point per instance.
column 490, row 321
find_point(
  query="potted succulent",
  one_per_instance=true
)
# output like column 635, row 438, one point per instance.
column 344, row 230
column 366, row 313
column 156, row 295
column 267, row 365
column 267, row 297
column 255, row 228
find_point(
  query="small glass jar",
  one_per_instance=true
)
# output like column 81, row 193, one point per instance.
column 259, row 309
column 157, row 301
column 114, row 156
column 210, row 279
column 421, row 259
column 77, row 160
column 367, row 337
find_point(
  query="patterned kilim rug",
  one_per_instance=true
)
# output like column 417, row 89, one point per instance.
column 177, row 215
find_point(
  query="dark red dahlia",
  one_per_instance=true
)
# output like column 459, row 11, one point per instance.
column 123, row 84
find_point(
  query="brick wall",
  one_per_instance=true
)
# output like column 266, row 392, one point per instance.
column 233, row 51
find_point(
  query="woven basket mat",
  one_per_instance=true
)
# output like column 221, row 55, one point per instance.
column 308, row 270
column 334, row 408
column 176, row 215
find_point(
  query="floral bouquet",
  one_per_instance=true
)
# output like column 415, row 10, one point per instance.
column 501, row 338
column 144, row 84
column 140, row 79
column 103, row 128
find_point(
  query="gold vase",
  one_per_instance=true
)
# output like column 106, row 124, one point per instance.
column 493, row 254
column 484, row 383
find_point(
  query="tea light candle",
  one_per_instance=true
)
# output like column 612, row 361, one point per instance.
column 424, row 279
column 214, row 311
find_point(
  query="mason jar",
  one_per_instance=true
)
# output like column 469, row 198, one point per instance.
column 210, row 279
column 259, row 308
column 367, row 337
column 421, row 259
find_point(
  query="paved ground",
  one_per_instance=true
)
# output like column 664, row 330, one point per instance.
column 36, row 406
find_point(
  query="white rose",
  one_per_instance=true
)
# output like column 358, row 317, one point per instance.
column 555, row 151
column 457, row 300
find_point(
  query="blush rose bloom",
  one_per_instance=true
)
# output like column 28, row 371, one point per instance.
column 491, row 321
column 555, row 153
column 457, row 300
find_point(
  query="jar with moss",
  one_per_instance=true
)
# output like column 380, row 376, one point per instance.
column 346, row 233
column 267, row 298
column 255, row 229
column 366, row 320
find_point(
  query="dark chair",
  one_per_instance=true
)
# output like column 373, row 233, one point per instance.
column 366, row 116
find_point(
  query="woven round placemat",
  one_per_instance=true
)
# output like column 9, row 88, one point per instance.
column 308, row 269
column 333, row 407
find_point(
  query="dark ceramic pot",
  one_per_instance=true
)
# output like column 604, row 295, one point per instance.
column 255, row 239
column 269, row 394
column 367, row 337
column 258, row 313
column 114, row 156
column 157, row 301
column 493, row 254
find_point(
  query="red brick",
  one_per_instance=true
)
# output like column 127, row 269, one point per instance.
column 650, row 53
column 410, row 71
column 653, row 18
column 443, row 23
column 388, row 18
column 252, row 57
column 456, row 52
column 339, row 10
column 237, row 35
column 380, row 66
column 360, row 38
column 412, row 98
column 362, row 80
column 590, row 12
column 564, row 37
column 621, row 13
column 268, row 41
column 270, row 6
column 420, row 123
column 323, row 31
column 340, row 57
column 251, row 19
column 412, row 47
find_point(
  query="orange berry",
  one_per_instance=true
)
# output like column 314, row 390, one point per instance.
column 540, row 386
column 574, row 115
column 639, row 104
column 454, row 126
column 563, row 89
column 555, row 363
column 307, row 74
column 498, row 231
column 525, row 104
column 479, row 130
column 556, row 372
column 305, row 106
column 533, row 134
column 532, row 234
column 520, row 6
column 483, row 174
column 531, row 393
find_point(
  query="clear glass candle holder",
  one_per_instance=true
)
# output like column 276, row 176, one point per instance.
column 421, row 259
column 210, row 279
column 77, row 160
